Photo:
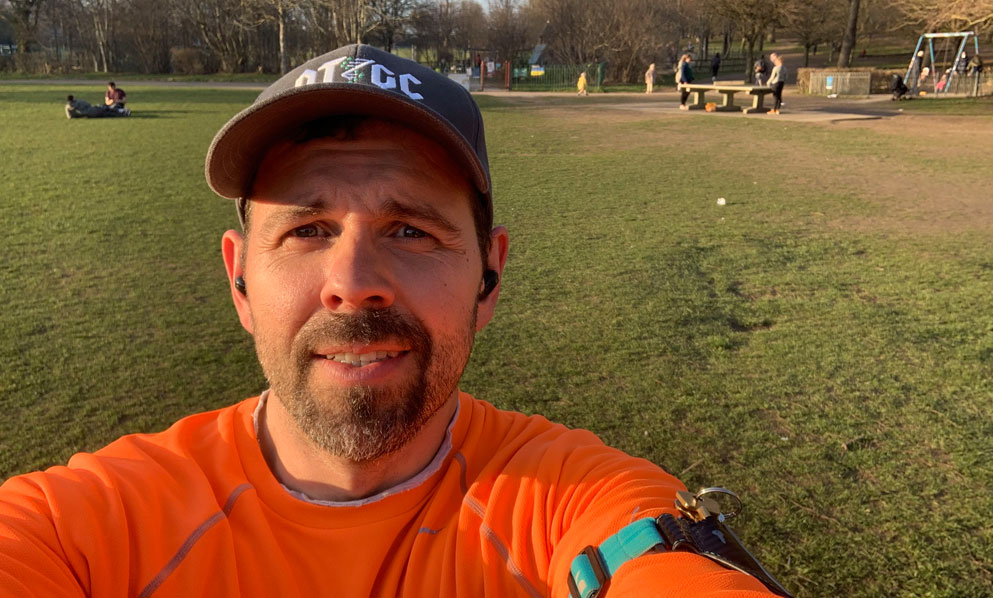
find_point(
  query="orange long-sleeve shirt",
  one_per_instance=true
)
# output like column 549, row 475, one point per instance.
column 195, row 511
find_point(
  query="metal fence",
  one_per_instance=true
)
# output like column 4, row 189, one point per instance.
column 551, row 77
column 732, row 67
column 975, row 84
column 840, row 83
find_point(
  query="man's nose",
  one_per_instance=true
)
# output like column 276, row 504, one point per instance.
column 358, row 277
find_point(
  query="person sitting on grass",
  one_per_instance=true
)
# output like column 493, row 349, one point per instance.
column 115, row 97
column 366, row 263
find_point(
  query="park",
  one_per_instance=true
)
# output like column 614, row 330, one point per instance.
column 794, row 306
column 822, row 343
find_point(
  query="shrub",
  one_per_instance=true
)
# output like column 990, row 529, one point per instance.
column 191, row 61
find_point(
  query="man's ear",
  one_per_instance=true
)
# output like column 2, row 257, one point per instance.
column 495, row 261
column 232, row 244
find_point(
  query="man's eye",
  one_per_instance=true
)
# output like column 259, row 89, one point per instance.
column 409, row 232
column 308, row 230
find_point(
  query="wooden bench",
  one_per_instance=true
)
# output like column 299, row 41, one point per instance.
column 699, row 92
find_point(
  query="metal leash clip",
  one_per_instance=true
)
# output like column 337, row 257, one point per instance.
column 702, row 530
column 701, row 505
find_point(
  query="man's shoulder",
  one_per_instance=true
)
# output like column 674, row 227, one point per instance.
column 192, row 439
column 193, row 455
column 509, row 443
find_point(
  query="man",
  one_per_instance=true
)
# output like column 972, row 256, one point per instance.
column 115, row 97
column 76, row 108
column 367, row 263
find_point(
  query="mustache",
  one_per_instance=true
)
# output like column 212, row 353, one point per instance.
column 364, row 327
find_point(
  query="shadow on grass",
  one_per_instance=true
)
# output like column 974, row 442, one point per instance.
column 159, row 113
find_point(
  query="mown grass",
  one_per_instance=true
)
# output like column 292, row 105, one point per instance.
column 812, row 344
column 87, row 76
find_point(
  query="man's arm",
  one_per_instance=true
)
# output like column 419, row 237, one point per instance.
column 614, row 492
column 32, row 559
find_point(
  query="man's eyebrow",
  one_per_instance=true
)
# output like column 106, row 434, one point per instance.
column 419, row 212
column 290, row 214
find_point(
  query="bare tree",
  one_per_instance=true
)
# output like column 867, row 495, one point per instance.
column 148, row 30
column 446, row 27
column 754, row 18
column 507, row 29
column 813, row 22
column 957, row 15
column 24, row 19
column 223, row 26
column 391, row 18
column 627, row 34
column 851, row 29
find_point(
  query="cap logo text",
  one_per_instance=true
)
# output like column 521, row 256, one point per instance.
column 360, row 70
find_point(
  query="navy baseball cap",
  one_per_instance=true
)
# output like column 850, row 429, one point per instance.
column 354, row 80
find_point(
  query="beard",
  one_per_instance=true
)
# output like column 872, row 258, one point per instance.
column 365, row 423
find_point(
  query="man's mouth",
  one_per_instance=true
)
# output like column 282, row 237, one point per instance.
column 361, row 359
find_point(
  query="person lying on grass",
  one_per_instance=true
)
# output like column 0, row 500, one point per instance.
column 77, row 108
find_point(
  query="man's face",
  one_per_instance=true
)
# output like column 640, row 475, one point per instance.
column 363, row 270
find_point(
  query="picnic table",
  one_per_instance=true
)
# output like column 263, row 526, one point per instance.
column 699, row 92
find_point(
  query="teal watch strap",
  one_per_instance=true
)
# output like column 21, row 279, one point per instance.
column 591, row 569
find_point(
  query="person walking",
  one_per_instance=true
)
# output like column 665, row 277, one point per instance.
column 761, row 67
column 776, row 81
column 715, row 67
column 684, row 76
column 650, row 78
column 581, row 85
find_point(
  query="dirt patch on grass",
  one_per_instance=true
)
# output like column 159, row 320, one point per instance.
column 949, row 191
column 911, row 173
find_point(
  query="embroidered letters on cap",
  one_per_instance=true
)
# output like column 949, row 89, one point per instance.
column 354, row 70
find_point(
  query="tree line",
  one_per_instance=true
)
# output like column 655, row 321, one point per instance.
column 236, row 36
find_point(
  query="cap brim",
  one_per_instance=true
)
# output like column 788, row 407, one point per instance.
column 238, row 149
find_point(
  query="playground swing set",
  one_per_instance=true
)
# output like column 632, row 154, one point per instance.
column 941, row 81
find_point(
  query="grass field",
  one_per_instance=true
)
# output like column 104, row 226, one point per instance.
column 822, row 344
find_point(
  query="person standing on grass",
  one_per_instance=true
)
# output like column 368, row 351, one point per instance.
column 684, row 76
column 776, row 81
column 650, row 78
column 715, row 67
column 366, row 263
column 581, row 85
